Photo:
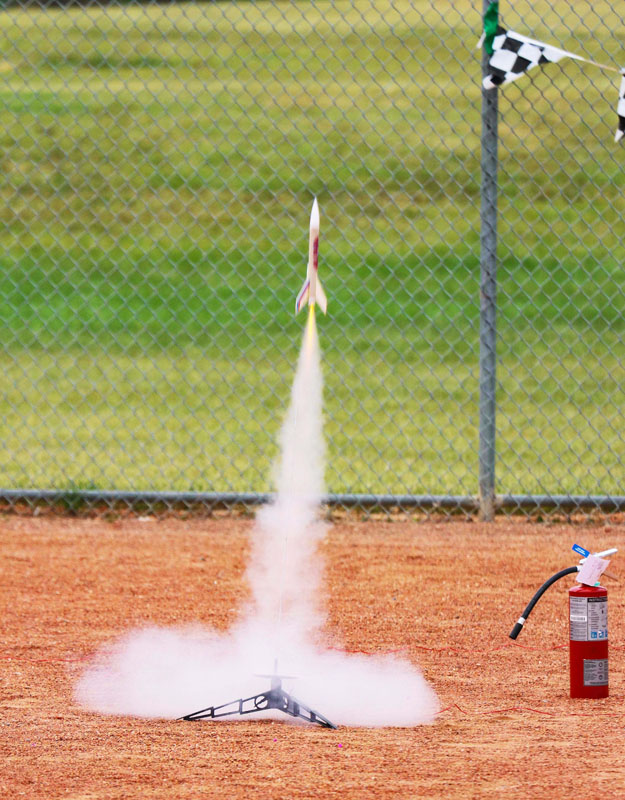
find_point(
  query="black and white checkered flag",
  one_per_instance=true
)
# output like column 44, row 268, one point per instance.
column 620, row 110
column 514, row 54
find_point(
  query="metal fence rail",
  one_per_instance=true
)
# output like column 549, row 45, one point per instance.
column 158, row 163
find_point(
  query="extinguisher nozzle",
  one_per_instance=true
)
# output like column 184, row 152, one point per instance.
column 518, row 627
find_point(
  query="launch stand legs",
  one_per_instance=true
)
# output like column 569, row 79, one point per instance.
column 274, row 698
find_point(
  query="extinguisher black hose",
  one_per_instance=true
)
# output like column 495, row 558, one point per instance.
column 518, row 627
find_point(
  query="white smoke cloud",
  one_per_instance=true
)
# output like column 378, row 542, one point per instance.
column 159, row 672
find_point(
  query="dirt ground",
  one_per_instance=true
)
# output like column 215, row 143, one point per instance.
column 448, row 593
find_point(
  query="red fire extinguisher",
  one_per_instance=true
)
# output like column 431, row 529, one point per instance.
column 588, row 641
column 588, row 628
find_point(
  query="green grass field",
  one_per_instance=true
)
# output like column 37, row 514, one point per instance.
column 158, row 166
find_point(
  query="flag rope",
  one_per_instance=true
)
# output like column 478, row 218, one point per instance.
column 590, row 61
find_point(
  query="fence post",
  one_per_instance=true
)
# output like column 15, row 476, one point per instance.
column 488, row 296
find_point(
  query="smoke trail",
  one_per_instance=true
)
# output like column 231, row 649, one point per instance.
column 170, row 672
column 283, row 572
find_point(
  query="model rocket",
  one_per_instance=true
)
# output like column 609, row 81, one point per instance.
column 312, row 291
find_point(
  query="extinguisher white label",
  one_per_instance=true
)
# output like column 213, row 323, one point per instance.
column 589, row 619
column 595, row 672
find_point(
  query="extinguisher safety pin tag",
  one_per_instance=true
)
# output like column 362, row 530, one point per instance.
column 590, row 566
column 591, row 570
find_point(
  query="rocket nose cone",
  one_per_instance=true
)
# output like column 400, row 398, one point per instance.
column 314, row 216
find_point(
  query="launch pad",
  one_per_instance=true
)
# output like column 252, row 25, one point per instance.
column 275, row 698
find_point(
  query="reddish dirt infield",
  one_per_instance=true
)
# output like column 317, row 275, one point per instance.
column 448, row 593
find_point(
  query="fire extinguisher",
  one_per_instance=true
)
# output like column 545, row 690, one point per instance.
column 588, row 624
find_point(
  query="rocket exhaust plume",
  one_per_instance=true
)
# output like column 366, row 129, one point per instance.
column 288, row 531
column 165, row 672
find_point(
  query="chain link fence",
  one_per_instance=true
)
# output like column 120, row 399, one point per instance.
column 158, row 167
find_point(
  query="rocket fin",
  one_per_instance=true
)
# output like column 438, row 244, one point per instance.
column 302, row 297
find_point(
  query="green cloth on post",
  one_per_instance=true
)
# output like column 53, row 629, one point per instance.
column 491, row 23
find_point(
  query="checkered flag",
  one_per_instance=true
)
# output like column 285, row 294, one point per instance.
column 620, row 110
column 514, row 54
